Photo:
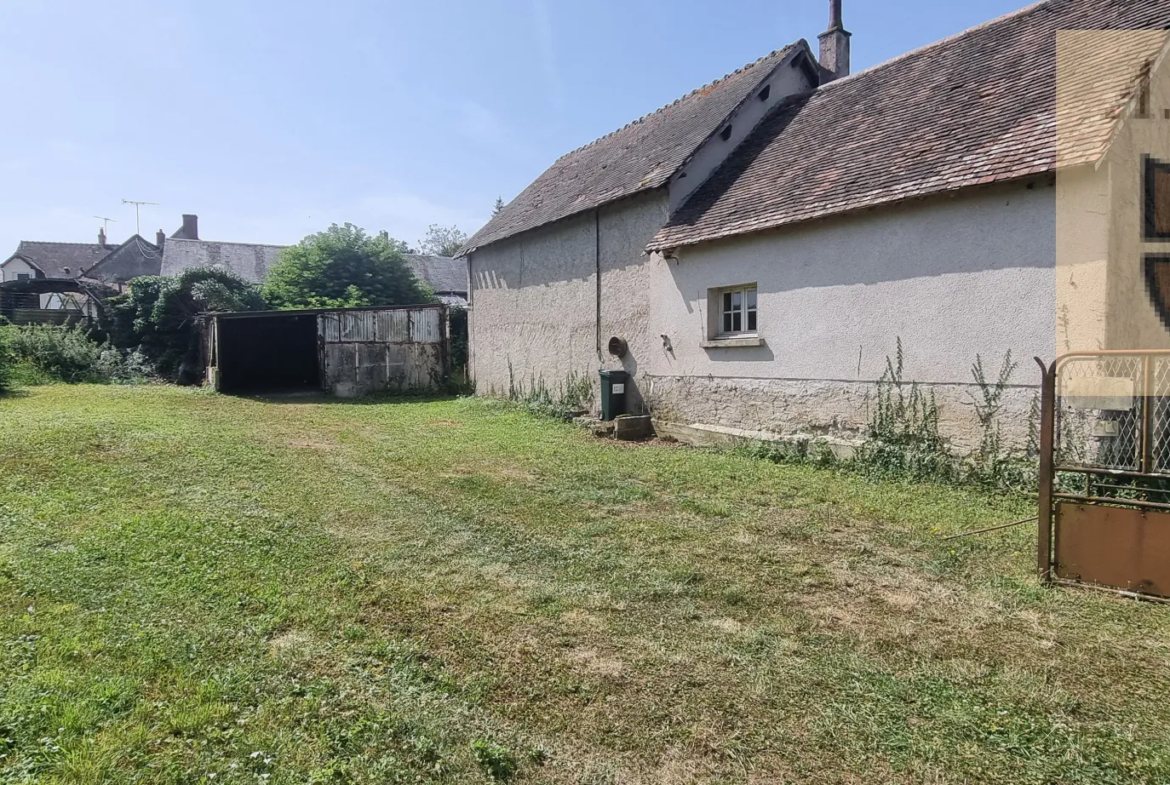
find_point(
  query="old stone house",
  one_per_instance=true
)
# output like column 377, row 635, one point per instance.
column 763, row 243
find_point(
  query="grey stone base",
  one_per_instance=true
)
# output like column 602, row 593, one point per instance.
column 836, row 412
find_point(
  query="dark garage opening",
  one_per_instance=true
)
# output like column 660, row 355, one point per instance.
column 273, row 353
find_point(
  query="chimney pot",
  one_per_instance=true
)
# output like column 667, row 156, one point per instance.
column 102, row 237
column 835, row 44
column 160, row 237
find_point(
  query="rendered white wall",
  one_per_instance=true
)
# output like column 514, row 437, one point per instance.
column 14, row 267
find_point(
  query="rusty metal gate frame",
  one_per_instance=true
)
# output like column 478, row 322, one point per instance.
column 1127, row 506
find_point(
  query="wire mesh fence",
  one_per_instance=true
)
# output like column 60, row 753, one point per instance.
column 1113, row 412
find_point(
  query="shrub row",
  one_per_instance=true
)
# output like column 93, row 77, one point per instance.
column 38, row 354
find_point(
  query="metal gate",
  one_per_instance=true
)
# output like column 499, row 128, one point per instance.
column 1104, row 517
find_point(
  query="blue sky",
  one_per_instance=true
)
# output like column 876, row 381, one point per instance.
column 271, row 120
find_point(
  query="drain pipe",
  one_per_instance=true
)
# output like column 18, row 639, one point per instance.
column 597, row 272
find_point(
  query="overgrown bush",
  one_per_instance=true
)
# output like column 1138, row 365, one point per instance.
column 6, row 359
column 157, row 316
column 67, row 353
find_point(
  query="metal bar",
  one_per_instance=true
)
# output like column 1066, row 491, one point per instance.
column 1111, row 472
column 1136, row 489
column 1147, row 416
column 1076, row 497
column 1133, row 595
column 992, row 528
column 1047, row 476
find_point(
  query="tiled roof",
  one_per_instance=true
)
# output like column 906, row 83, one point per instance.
column 1099, row 72
column 974, row 109
column 134, row 258
column 250, row 262
column 62, row 260
column 639, row 157
column 442, row 273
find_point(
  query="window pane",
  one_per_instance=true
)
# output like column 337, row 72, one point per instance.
column 726, row 301
column 1162, row 200
column 751, row 299
column 727, row 322
column 751, row 320
column 737, row 322
column 736, row 299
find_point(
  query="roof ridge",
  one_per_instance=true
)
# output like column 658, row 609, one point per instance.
column 219, row 242
column 934, row 44
column 680, row 99
column 61, row 242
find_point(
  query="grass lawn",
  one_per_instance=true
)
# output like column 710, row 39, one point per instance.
column 196, row 588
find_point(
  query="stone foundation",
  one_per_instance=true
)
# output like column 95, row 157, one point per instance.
column 836, row 410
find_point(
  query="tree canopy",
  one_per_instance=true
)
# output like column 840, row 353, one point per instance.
column 442, row 240
column 343, row 267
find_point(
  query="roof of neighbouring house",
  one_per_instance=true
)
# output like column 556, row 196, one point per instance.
column 441, row 273
column 53, row 259
column 974, row 109
column 639, row 157
column 249, row 261
column 134, row 258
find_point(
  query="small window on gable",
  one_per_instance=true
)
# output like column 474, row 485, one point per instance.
column 737, row 310
column 726, row 133
column 1157, row 200
column 22, row 276
column 767, row 91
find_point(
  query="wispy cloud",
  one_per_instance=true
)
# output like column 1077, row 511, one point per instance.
column 544, row 43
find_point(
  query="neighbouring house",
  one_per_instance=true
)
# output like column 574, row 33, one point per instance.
column 446, row 276
column 762, row 244
column 184, row 250
column 60, row 277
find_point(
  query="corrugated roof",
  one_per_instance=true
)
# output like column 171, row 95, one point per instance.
column 442, row 273
column 974, row 109
column 62, row 260
column 250, row 262
column 641, row 156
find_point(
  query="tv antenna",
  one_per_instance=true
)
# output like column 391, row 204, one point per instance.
column 137, row 222
column 106, row 222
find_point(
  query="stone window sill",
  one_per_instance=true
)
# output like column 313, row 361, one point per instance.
column 743, row 342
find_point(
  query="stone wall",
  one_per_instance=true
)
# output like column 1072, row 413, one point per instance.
column 837, row 411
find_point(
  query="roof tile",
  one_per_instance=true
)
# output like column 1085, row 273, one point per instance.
column 977, row 108
column 641, row 156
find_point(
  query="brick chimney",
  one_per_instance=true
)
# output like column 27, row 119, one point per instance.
column 835, row 44
column 190, row 228
column 160, row 237
column 102, row 237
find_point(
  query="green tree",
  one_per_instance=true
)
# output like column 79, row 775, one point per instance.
column 499, row 206
column 343, row 267
column 442, row 240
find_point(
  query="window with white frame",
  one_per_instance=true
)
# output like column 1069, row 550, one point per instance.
column 737, row 310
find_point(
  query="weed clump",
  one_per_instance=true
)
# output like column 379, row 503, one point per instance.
column 496, row 760
column 903, row 440
column 570, row 398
